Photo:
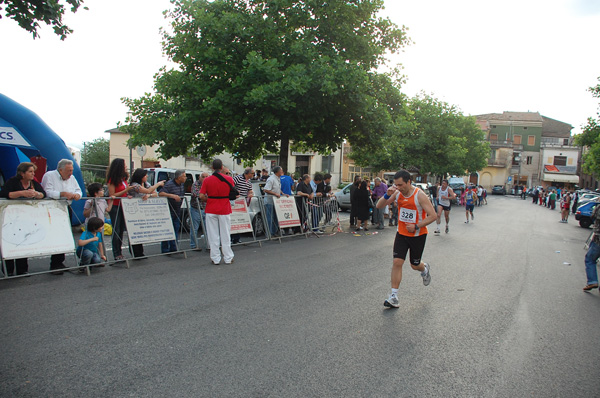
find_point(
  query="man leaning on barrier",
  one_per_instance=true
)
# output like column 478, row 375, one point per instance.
column 244, row 187
column 273, row 188
column 174, row 191
column 58, row 184
column 197, row 210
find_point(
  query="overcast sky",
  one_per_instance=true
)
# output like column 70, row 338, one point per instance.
column 483, row 56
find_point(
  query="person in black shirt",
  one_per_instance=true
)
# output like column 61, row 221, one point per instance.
column 353, row 188
column 324, row 188
column 361, row 202
column 22, row 186
column 304, row 192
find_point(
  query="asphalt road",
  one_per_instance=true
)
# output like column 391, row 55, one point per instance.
column 504, row 316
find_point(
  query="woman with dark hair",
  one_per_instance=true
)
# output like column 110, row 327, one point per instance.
column 353, row 188
column 116, row 178
column 361, row 201
column 141, row 189
column 22, row 186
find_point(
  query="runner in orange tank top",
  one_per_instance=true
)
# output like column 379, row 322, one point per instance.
column 415, row 212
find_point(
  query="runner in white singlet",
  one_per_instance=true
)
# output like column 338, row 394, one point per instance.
column 445, row 195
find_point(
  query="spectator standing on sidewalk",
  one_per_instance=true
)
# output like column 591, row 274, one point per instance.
column 353, row 188
column 378, row 192
column 22, row 186
column 197, row 209
column 140, row 188
column 273, row 189
column 244, row 187
column 362, row 201
column 304, row 193
column 116, row 179
column 565, row 207
column 61, row 183
column 324, row 188
column 264, row 175
column 593, row 253
column 174, row 191
column 552, row 200
column 215, row 192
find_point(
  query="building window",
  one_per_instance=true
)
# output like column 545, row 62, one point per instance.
column 560, row 161
column 524, row 128
column 493, row 137
column 516, row 159
column 359, row 171
column 517, row 140
column 327, row 164
column 529, row 159
column 566, row 141
column 531, row 140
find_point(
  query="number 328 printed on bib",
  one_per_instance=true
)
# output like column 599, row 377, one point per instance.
column 408, row 215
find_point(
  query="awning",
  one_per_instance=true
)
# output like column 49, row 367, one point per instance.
column 569, row 178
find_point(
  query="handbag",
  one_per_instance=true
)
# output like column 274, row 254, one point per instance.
column 233, row 193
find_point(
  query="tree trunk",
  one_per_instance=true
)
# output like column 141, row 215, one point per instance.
column 283, row 153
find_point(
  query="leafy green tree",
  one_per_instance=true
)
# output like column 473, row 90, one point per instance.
column 590, row 138
column 432, row 136
column 28, row 14
column 254, row 76
column 96, row 152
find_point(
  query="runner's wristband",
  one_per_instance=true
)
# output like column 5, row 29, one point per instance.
column 386, row 196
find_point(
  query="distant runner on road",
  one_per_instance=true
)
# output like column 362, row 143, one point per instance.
column 415, row 212
column 445, row 194
column 469, row 203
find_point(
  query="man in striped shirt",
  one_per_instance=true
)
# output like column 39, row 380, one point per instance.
column 244, row 187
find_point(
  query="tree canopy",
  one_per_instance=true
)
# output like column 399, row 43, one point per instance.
column 590, row 138
column 28, row 14
column 96, row 152
column 434, row 137
column 254, row 75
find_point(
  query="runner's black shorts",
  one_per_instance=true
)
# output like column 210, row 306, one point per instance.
column 447, row 208
column 416, row 245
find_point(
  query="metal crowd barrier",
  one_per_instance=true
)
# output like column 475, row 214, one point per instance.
column 314, row 215
column 33, row 233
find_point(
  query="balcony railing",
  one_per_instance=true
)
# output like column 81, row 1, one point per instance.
column 505, row 144
column 496, row 163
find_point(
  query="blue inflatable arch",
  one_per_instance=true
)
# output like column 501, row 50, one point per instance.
column 41, row 139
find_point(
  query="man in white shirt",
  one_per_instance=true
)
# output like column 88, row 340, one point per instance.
column 61, row 183
column 273, row 188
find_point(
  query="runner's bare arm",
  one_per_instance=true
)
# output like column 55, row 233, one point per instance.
column 451, row 194
column 428, row 207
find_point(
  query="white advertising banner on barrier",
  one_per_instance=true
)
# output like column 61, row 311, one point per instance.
column 147, row 220
column 287, row 212
column 240, row 219
column 35, row 228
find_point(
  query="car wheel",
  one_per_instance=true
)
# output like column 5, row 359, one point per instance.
column 187, row 222
column 585, row 223
column 258, row 225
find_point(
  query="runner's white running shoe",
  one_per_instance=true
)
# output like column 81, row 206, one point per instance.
column 427, row 276
column 391, row 302
column 447, row 229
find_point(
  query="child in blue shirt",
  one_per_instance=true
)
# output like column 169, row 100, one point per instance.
column 90, row 248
